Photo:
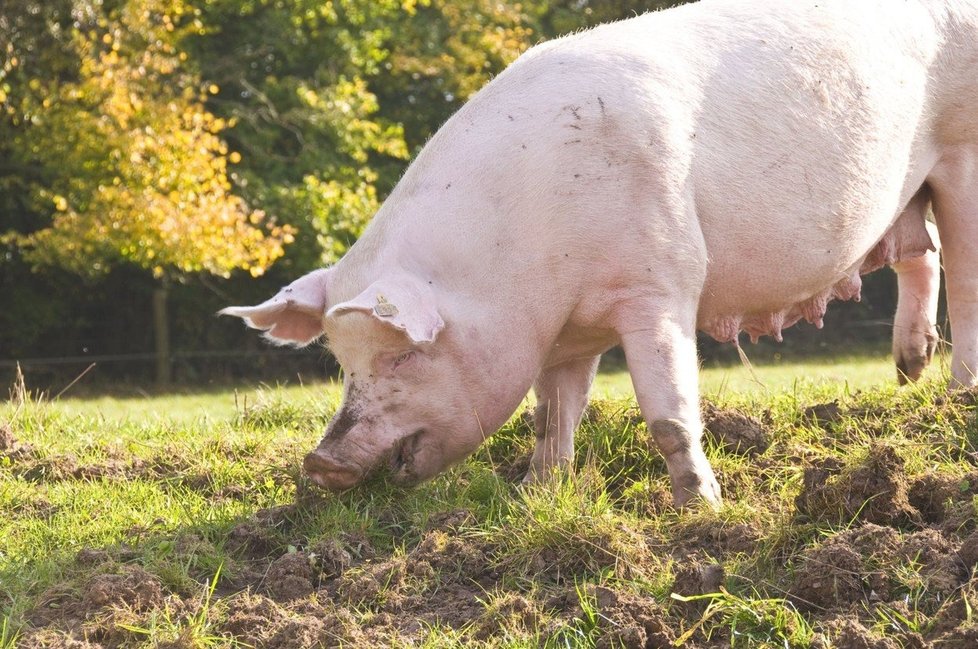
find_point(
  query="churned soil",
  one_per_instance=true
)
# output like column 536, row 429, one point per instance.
column 734, row 431
column 867, row 544
column 874, row 491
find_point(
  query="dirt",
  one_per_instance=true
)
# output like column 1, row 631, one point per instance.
column 12, row 448
column 823, row 413
column 291, row 576
column 875, row 491
column 935, row 495
column 632, row 621
column 283, row 591
column 132, row 587
column 255, row 620
column 735, row 432
column 856, row 567
column 847, row 632
column 317, row 596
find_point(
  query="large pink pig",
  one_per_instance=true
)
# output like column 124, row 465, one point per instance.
column 722, row 166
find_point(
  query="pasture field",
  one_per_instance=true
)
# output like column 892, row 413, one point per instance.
column 184, row 521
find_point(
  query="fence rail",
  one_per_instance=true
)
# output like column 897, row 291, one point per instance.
column 148, row 356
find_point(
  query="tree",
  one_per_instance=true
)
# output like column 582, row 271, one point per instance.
column 130, row 166
column 294, row 81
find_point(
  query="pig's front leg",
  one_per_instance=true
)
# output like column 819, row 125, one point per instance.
column 561, row 393
column 955, row 185
column 662, row 363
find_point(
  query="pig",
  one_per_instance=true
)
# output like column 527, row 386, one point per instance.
column 721, row 166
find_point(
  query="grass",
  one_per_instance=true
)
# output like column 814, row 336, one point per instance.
column 184, row 521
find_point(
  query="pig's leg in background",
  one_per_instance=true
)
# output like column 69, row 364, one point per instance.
column 663, row 365
column 914, row 331
column 561, row 393
column 955, row 185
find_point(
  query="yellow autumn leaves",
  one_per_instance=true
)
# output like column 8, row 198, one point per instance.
column 147, row 178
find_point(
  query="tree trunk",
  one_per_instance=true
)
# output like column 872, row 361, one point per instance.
column 161, row 333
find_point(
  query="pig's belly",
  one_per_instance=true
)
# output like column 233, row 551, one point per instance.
column 761, row 299
column 768, row 283
column 577, row 341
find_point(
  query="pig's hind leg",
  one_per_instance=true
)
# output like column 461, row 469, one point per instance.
column 662, row 361
column 955, row 185
column 914, row 332
column 561, row 393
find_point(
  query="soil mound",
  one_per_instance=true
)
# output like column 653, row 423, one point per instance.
column 632, row 621
column 291, row 576
column 735, row 432
column 133, row 588
column 857, row 566
column 875, row 491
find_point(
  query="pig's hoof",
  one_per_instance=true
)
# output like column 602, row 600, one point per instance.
column 549, row 473
column 327, row 474
column 692, row 487
column 910, row 368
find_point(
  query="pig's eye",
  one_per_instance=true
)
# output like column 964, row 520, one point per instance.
column 402, row 358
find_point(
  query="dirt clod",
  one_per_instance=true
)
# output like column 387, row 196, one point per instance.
column 849, row 632
column 823, row 413
column 512, row 612
column 735, row 432
column 632, row 621
column 133, row 588
column 7, row 439
column 92, row 557
column 291, row 576
column 874, row 491
column 934, row 495
column 845, row 569
column 332, row 557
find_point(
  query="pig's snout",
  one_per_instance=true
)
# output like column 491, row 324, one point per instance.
column 326, row 473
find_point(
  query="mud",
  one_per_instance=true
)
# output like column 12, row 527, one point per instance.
column 935, row 496
column 12, row 448
column 847, row 568
column 874, row 566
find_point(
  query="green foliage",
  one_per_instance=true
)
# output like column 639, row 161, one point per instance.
column 131, row 167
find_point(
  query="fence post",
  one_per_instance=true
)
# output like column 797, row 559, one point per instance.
column 161, row 334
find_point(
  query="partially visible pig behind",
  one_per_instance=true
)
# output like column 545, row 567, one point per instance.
column 722, row 166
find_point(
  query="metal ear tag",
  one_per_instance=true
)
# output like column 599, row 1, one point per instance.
column 384, row 309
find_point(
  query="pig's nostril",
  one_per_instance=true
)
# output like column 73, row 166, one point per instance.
column 327, row 473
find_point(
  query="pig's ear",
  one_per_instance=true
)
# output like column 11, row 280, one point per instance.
column 294, row 316
column 402, row 302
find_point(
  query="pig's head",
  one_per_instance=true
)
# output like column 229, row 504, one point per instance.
column 411, row 400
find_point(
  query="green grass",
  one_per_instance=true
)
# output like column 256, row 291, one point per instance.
column 185, row 521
